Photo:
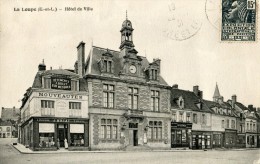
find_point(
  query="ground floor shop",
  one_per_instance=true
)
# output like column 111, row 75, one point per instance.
column 217, row 139
column 251, row 140
column 54, row 133
column 180, row 134
column 201, row 140
column 241, row 140
column 119, row 132
column 230, row 138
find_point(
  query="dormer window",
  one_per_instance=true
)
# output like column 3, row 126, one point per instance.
column 181, row 102
column 47, row 83
column 154, row 75
column 106, row 63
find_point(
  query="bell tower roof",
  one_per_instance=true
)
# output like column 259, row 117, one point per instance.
column 126, row 34
column 216, row 93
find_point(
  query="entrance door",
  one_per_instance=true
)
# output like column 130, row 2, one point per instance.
column 135, row 137
column 62, row 133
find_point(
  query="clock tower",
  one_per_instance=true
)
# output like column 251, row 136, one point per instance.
column 126, row 36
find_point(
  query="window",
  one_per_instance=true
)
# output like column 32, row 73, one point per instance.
column 250, row 128
column 75, row 109
column 108, row 66
column 155, row 130
column 187, row 117
column 109, row 128
column 254, row 127
column 181, row 116
column 108, row 96
column 8, row 129
column 223, row 123
column 204, row 119
column 247, row 126
column 47, row 107
column 195, row 119
column 227, row 123
column 132, row 98
column 74, row 105
column 74, row 85
column 46, row 134
column 155, row 100
column 0, row 129
column 77, row 135
column 174, row 117
column 233, row 124
column 154, row 74
column 47, row 83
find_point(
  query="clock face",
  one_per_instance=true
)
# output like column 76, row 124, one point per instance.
column 132, row 69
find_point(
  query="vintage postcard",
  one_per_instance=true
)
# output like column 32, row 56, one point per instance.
column 123, row 81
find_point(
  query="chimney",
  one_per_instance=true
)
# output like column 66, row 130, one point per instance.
column 200, row 94
column 81, row 58
column 42, row 66
column 196, row 90
column 251, row 107
column 175, row 86
column 234, row 100
column 258, row 110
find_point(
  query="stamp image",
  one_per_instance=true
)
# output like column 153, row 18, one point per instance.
column 238, row 20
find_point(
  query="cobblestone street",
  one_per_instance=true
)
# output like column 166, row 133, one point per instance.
column 8, row 154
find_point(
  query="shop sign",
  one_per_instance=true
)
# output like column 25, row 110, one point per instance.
column 181, row 125
column 57, row 120
column 60, row 96
column 60, row 82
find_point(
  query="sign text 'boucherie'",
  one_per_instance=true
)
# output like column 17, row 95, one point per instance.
column 60, row 82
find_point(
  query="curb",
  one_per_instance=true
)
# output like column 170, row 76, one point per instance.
column 158, row 151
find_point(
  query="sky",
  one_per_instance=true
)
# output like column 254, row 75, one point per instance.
column 185, row 35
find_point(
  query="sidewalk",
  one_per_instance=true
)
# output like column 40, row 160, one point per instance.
column 22, row 149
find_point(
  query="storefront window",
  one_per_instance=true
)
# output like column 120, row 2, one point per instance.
column 76, row 134
column 46, row 134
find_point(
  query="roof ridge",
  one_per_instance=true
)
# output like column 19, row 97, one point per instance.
column 105, row 48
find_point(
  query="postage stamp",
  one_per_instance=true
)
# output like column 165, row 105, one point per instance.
column 238, row 20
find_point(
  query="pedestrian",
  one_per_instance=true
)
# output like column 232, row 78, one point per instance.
column 58, row 143
column 65, row 143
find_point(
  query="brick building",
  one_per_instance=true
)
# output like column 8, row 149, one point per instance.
column 128, row 99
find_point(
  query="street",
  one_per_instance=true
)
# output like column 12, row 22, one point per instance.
column 8, row 154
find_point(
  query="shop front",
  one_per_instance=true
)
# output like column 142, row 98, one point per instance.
column 201, row 140
column 230, row 138
column 251, row 140
column 56, row 133
column 217, row 140
column 180, row 134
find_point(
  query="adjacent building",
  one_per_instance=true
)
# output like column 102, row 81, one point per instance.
column 6, row 129
column 54, row 111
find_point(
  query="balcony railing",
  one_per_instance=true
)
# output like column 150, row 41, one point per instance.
column 75, row 112
column 47, row 111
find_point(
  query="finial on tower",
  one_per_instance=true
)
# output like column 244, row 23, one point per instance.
column 126, row 14
column 42, row 61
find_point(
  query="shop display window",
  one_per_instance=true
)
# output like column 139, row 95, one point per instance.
column 46, row 140
column 77, row 139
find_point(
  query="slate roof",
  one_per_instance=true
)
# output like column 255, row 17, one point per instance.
column 95, row 55
column 10, row 113
column 6, row 123
column 190, row 100
column 224, row 105
column 37, row 83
